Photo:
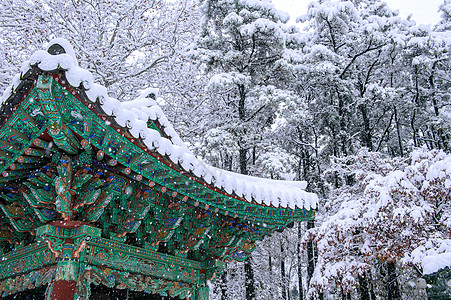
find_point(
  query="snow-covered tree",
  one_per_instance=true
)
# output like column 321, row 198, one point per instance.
column 393, row 213
column 243, row 45
column 351, row 57
column 128, row 45
column 428, row 58
column 445, row 17
column 247, row 49
column 252, row 95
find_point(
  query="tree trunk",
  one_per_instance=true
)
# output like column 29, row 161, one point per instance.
column 300, row 285
column 224, row 285
column 398, row 131
column 249, row 272
column 343, row 126
column 416, row 100
column 243, row 161
column 310, row 254
column 270, row 285
column 282, row 272
column 363, row 288
column 393, row 292
column 366, row 130
column 242, row 115
column 442, row 142
column 370, row 281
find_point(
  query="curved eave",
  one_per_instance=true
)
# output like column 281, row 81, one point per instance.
column 16, row 139
column 235, row 206
column 165, row 172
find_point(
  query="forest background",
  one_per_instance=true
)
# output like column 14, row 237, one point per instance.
column 357, row 104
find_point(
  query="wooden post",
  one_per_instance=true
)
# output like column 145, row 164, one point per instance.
column 66, row 240
column 65, row 280
column 201, row 293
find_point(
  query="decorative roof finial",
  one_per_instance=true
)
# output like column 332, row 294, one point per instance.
column 56, row 49
column 60, row 46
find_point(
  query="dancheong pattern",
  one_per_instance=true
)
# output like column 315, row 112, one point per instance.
column 84, row 202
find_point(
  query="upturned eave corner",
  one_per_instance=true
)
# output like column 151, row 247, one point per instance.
column 89, row 196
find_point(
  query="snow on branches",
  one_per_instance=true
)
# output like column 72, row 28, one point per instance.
column 390, row 211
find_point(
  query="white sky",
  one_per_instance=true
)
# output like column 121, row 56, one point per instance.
column 423, row 11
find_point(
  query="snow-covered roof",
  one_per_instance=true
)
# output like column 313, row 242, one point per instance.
column 434, row 263
column 133, row 115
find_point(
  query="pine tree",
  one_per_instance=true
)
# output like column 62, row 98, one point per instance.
column 352, row 52
column 244, row 46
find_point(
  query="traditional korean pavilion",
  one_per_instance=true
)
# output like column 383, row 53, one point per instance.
column 97, row 192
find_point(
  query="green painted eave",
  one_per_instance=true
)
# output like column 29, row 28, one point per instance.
column 143, row 164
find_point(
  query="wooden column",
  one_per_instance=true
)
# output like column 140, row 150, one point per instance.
column 67, row 241
column 65, row 282
column 201, row 293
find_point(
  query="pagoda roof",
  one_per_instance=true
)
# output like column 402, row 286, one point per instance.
column 161, row 140
column 70, row 153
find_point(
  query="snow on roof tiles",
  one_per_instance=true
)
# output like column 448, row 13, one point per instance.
column 134, row 115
